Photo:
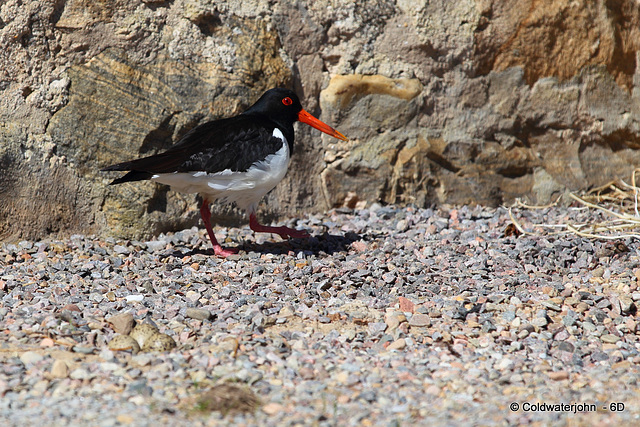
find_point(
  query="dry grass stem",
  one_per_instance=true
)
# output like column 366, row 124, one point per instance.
column 616, row 199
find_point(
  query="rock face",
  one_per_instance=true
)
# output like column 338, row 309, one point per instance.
column 456, row 102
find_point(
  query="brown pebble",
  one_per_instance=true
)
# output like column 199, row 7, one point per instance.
column 582, row 307
column 306, row 373
column 125, row 419
column 70, row 307
column 111, row 296
column 558, row 376
column 406, row 305
column 46, row 342
column 344, row 399
column 272, row 408
column 286, row 311
column 420, row 320
column 398, row 344
column 360, row 246
column 610, row 338
column 122, row 323
column 393, row 319
column 59, row 369
column 434, row 313
column 622, row 365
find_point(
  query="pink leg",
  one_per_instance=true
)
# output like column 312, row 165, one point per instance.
column 284, row 232
column 205, row 213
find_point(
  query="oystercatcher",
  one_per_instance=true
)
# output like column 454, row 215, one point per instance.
column 237, row 159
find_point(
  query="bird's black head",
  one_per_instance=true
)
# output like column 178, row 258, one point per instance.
column 279, row 104
column 283, row 107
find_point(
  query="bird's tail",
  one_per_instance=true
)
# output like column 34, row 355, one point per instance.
column 130, row 176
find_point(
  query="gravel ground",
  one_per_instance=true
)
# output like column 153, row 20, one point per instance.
column 387, row 316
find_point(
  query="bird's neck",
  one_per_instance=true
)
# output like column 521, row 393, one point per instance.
column 287, row 131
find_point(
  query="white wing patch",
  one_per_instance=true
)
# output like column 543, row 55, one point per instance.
column 244, row 188
column 277, row 133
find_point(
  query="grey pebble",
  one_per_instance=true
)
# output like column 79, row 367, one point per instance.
column 539, row 321
column 156, row 245
column 31, row 357
column 83, row 349
column 551, row 305
column 198, row 313
column 121, row 250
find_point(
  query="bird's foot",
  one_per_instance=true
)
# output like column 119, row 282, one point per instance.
column 224, row 252
column 284, row 232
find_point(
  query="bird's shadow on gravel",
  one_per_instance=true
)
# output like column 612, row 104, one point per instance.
column 318, row 244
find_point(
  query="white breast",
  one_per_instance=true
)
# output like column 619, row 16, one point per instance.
column 244, row 188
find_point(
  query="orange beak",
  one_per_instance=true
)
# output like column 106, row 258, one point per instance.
column 307, row 118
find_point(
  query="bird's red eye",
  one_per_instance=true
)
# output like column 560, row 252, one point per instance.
column 287, row 101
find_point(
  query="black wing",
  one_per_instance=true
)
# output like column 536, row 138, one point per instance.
column 234, row 143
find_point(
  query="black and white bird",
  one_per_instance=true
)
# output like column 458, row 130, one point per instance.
column 238, row 159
